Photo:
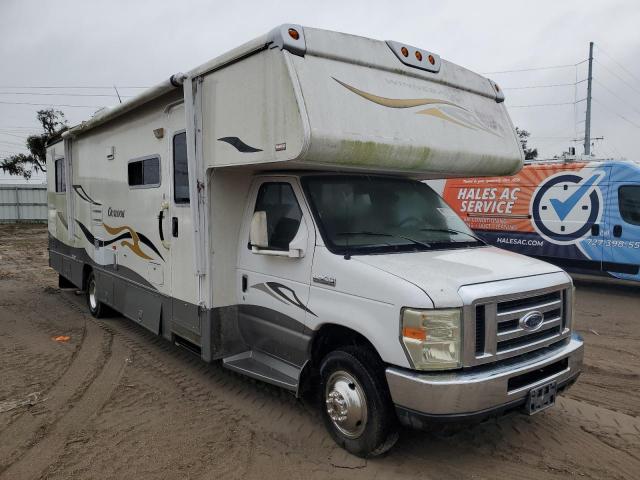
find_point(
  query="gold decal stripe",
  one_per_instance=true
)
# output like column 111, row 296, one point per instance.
column 135, row 246
column 396, row 102
column 440, row 114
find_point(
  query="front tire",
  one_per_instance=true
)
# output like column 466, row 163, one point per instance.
column 96, row 307
column 357, row 408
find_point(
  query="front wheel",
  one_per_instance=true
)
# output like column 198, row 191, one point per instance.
column 357, row 408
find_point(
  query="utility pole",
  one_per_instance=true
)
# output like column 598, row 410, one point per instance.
column 587, row 122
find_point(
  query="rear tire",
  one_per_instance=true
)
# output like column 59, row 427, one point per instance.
column 96, row 307
column 356, row 405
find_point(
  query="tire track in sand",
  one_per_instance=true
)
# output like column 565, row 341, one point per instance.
column 32, row 425
column 45, row 452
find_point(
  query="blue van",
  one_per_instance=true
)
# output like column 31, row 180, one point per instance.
column 582, row 216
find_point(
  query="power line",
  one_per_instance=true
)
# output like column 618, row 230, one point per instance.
column 625, row 101
column 551, row 138
column 543, row 105
column 13, row 144
column 611, row 72
column 2, row 132
column 52, row 104
column 572, row 84
column 33, row 87
column 535, row 68
column 65, row 94
column 618, row 64
column 616, row 113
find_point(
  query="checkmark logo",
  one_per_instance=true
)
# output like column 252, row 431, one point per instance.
column 564, row 207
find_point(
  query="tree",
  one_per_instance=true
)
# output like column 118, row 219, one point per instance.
column 53, row 124
column 523, row 136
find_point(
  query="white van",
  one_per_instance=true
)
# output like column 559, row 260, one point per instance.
column 266, row 209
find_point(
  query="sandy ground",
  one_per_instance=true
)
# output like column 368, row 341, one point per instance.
column 114, row 401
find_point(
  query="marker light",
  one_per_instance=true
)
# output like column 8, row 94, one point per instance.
column 432, row 60
column 404, row 51
column 419, row 56
column 293, row 33
column 432, row 338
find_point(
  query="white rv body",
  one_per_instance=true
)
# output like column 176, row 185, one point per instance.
column 174, row 250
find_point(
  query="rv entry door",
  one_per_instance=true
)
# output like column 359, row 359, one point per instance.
column 179, row 231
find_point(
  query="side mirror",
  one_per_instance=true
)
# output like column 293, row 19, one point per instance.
column 259, row 237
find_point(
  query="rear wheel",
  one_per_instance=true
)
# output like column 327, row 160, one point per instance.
column 97, row 308
column 357, row 407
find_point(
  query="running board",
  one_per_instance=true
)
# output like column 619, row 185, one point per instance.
column 264, row 367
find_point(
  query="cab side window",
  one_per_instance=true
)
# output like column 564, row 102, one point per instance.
column 283, row 213
column 629, row 203
column 61, row 183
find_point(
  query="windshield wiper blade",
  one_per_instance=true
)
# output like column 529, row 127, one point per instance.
column 377, row 234
column 451, row 230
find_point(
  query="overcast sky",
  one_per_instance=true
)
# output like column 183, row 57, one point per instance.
column 129, row 43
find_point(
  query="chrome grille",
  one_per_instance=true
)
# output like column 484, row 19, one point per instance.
column 494, row 322
column 511, row 336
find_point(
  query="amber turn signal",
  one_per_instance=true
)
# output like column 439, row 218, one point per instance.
column 415, row 333
column 293, row 33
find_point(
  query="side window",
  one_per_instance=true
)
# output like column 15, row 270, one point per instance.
column 180, row 169
column 61, row 183
column 144, row 173
column 283, row 213
column 629, row 203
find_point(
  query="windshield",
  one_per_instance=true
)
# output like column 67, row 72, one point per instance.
column 369, row 214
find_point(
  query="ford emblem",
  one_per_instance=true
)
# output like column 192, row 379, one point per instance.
column 531, row 321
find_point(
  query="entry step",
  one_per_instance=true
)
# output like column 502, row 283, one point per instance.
column 264, row 367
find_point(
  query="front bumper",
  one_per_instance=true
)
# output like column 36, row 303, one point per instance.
column 483, row 390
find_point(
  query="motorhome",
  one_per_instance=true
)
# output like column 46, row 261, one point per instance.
column 580, row 214
column 266, row 210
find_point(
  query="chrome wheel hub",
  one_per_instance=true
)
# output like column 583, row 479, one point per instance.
column 346, row 404
column 93, row 301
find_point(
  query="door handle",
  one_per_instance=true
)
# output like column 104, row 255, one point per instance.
column 164, row 206
column 174, row 226
column 617, row 231
column 245, row 281
column 595, row 229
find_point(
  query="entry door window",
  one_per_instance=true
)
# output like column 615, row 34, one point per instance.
column 180, row 169
column 283, row 213
column 61, row 183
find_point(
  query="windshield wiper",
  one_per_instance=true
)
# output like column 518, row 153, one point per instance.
column 377, row 234
column 451, row 230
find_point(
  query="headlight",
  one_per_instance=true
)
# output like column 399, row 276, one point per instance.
column 432, row 338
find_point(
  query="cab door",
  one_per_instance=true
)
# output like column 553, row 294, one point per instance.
column 623, row 243
column 273, row 287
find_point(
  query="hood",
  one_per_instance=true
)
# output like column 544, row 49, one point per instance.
column 441, row 273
